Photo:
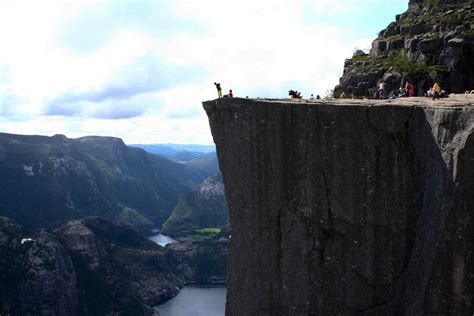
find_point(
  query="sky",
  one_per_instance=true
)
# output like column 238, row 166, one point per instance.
column 139, row 69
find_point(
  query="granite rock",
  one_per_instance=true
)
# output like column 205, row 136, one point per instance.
column 348, row 207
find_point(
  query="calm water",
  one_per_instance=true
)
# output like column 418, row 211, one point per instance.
column 198, row 300
column 162, row 240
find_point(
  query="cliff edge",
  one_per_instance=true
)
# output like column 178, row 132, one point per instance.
column 348, row 207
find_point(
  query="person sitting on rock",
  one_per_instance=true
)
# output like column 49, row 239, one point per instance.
column 436, row 90
column 430, row 93
column 409, row 90
column 230, row 94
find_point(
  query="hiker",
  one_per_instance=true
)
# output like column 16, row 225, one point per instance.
column 318, row 97
column 409, row 90
column 230, row 94
column 381, row 90
column 436, row 90
column 311, row 97
column 219, row 90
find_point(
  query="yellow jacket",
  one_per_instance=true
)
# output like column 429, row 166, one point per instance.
column 436, row 87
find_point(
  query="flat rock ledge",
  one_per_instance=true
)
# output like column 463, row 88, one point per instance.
column 348, row 207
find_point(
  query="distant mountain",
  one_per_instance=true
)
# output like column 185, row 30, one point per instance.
column 203, row 208
column 167, row 149
column 46, row 181
column 200, row 158
column 182, row 153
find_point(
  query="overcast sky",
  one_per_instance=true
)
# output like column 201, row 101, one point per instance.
column 139, row 69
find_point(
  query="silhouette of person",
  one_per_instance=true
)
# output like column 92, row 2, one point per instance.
column 219, row 90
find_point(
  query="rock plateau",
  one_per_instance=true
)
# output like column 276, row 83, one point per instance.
column 345, row 207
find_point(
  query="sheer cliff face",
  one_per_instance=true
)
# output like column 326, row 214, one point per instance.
column 347, row 208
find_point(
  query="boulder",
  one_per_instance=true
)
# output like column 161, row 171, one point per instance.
column 429, row 46
column 379, row 47
column 417, row 29
column 359, row 52
column 411, row 44
column 456, row 41
column 396, row 44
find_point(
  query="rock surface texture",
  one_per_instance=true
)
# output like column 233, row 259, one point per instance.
column 431, row 41
column 348, row 208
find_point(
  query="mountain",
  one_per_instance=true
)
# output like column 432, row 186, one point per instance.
column 433, row 41
column 199, row 209
column 181, row 153
column 46, row 181
column 96, row 266
column 166, row 149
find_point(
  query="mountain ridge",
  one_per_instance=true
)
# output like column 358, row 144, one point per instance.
column 49, row 180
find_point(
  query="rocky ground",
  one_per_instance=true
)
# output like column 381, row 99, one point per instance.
column 433, row 41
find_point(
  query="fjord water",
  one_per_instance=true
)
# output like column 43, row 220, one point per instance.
column 196, row 300
column 161, row 239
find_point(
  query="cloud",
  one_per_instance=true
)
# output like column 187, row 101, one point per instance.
column 120, row 96
column 140, row 69
column 9, row 101
column 143, row 129
column 97, row 25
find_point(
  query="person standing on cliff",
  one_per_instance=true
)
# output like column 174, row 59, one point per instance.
column 436, row 90
column 219, row 90
column 381, row 90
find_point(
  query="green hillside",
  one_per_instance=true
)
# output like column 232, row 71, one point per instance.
column 46, row 181
column 199, row 212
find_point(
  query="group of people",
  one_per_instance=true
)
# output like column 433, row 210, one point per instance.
column 406, row 90
column 219, row 91
column 294, row 94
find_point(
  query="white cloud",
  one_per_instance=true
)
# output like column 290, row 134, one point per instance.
column 255, row 48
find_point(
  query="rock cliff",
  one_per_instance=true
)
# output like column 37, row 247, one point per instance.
column 345, row 207
column 431, row 41
column 96, row 266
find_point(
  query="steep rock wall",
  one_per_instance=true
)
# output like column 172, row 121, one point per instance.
column 347, row 208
